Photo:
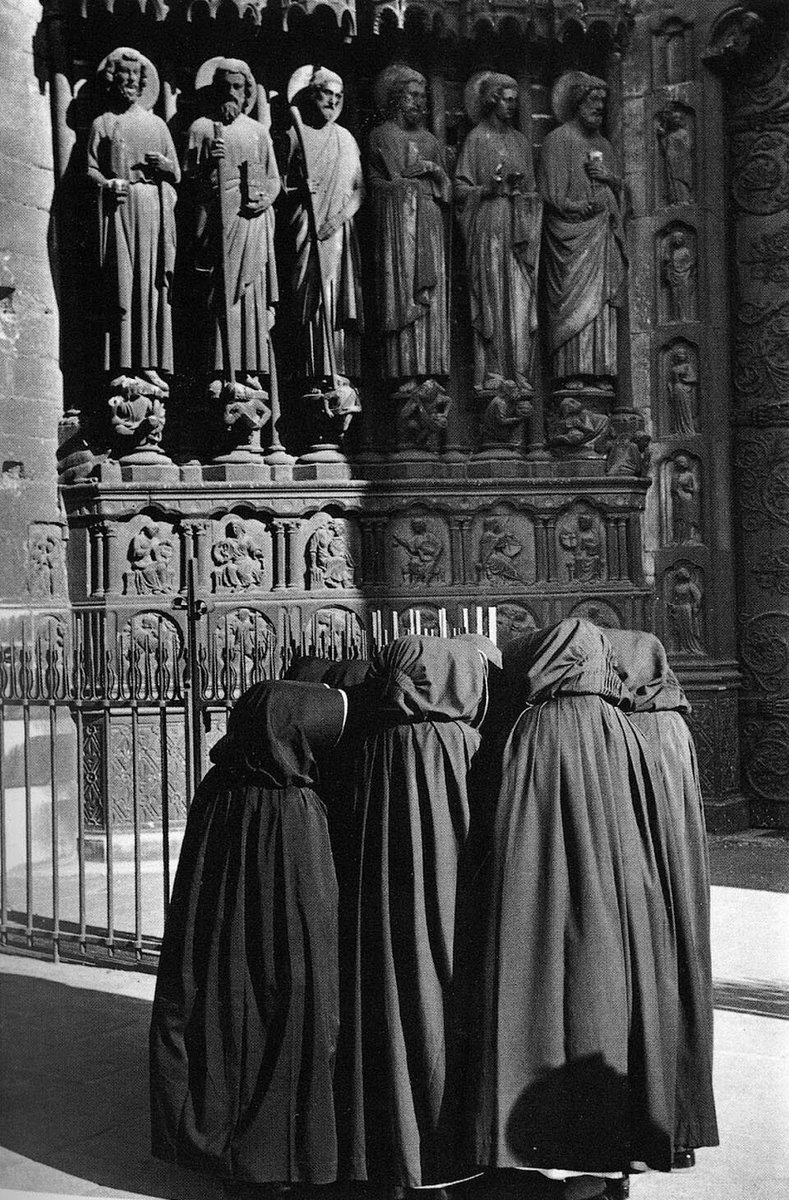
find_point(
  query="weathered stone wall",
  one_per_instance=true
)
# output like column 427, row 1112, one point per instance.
column 31, row 553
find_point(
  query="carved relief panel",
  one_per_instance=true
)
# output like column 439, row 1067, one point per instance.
column 243, row 652
column 503, row 549
column 332, row 551
column 672, row 50
column 149, row 659
column 513, row 620
column 419, row 550
column 45, row 561
column 335, row 632
column 152, row 566
column 240, row 556
column 581, row 547
column 675, row 141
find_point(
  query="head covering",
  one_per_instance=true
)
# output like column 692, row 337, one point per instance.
column 431, row 679
column 479, row 89
column 393, row 77
column 338, row 673
column 570, row 90
column 235, row 66
column 644, row 667
column 149, row 93
column 483, row 644
column 572, row 658
column 278, row 728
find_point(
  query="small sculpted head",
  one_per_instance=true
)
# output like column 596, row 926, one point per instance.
column 125, row 77
column 325, row 96
column 230, row 93
column 499, row 98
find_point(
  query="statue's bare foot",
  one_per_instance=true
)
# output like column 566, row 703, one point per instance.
column 153, row 377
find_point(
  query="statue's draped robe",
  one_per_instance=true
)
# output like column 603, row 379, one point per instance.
column 584, row 259
column 659, row 708
column 137, row 249
column 576, row 1050
column 411, row 270
column 502, row 239
column 335, row 171
column 249, row 240
column 246, row 1012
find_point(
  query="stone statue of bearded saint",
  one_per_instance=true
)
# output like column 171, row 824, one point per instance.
column 411, row 191
column 333, row 173
column 499, row 214
column 132, row 160
column 228, row 136
column 584, row 254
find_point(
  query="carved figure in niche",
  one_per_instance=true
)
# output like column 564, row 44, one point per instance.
column 685, row 608
column 244, row 413
column 586, row 555
column 132, row 161
column 238, row 559
column 232, row 182
column 424, row 551
column 331, row 252
column 499, row 213
column 150, row 650
column 330, row 561
column 498, row 550
column 675, row 139
column 243, row 651
column 151, row 557
column 137, row 416
column 685, row 501
column 411, row 189
column 43, row 563
column 683, row 388
column 335, row 633
column 505, row 413
column 512, row 620
column 423, row 417
column 584, row 251
column 578, row 430
column 679, row 277
column 333, row 409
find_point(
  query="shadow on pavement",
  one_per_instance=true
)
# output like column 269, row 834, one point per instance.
column 74, row 1092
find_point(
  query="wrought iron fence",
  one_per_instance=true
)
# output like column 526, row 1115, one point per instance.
column 106, row 720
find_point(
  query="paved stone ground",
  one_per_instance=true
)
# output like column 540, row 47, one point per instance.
column 73, row 1042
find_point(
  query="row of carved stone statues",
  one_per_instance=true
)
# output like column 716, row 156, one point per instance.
column 570, row 214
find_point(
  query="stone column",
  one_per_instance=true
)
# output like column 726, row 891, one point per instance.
column 751, row 58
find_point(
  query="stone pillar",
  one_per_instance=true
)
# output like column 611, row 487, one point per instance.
column 31, row 397
column 751, row 59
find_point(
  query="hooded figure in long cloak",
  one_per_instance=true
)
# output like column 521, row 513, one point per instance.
column 659, row 707
column 575, row 1065
column 396, row 1071
column 246, row 1011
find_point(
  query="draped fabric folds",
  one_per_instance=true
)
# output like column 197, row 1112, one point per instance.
column 658, row 707
column 397, row 1063
column 246, row 1012
column 574, row 1069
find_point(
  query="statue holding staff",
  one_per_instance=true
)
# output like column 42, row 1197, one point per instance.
column 324, row 175
column 411, row 191
column 584, row 253
column 499, row 214
column 133, row 163
column 233, row 180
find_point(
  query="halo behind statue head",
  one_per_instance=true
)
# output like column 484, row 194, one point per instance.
column 234, row 66
column 480, row 87
column 396, row 75
column 570, row 89
column 149, row 93
column 311, row 76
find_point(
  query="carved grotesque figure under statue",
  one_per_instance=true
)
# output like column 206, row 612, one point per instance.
column 411, row 191
column 499, row 214
column 584, row 254
column 133, row 163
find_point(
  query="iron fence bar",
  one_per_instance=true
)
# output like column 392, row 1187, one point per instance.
column 135, row 735
column 165, row 770
column 108, row 826
column 55, row 829
column 83, row 922
column 3, row 850
column 29, row 897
